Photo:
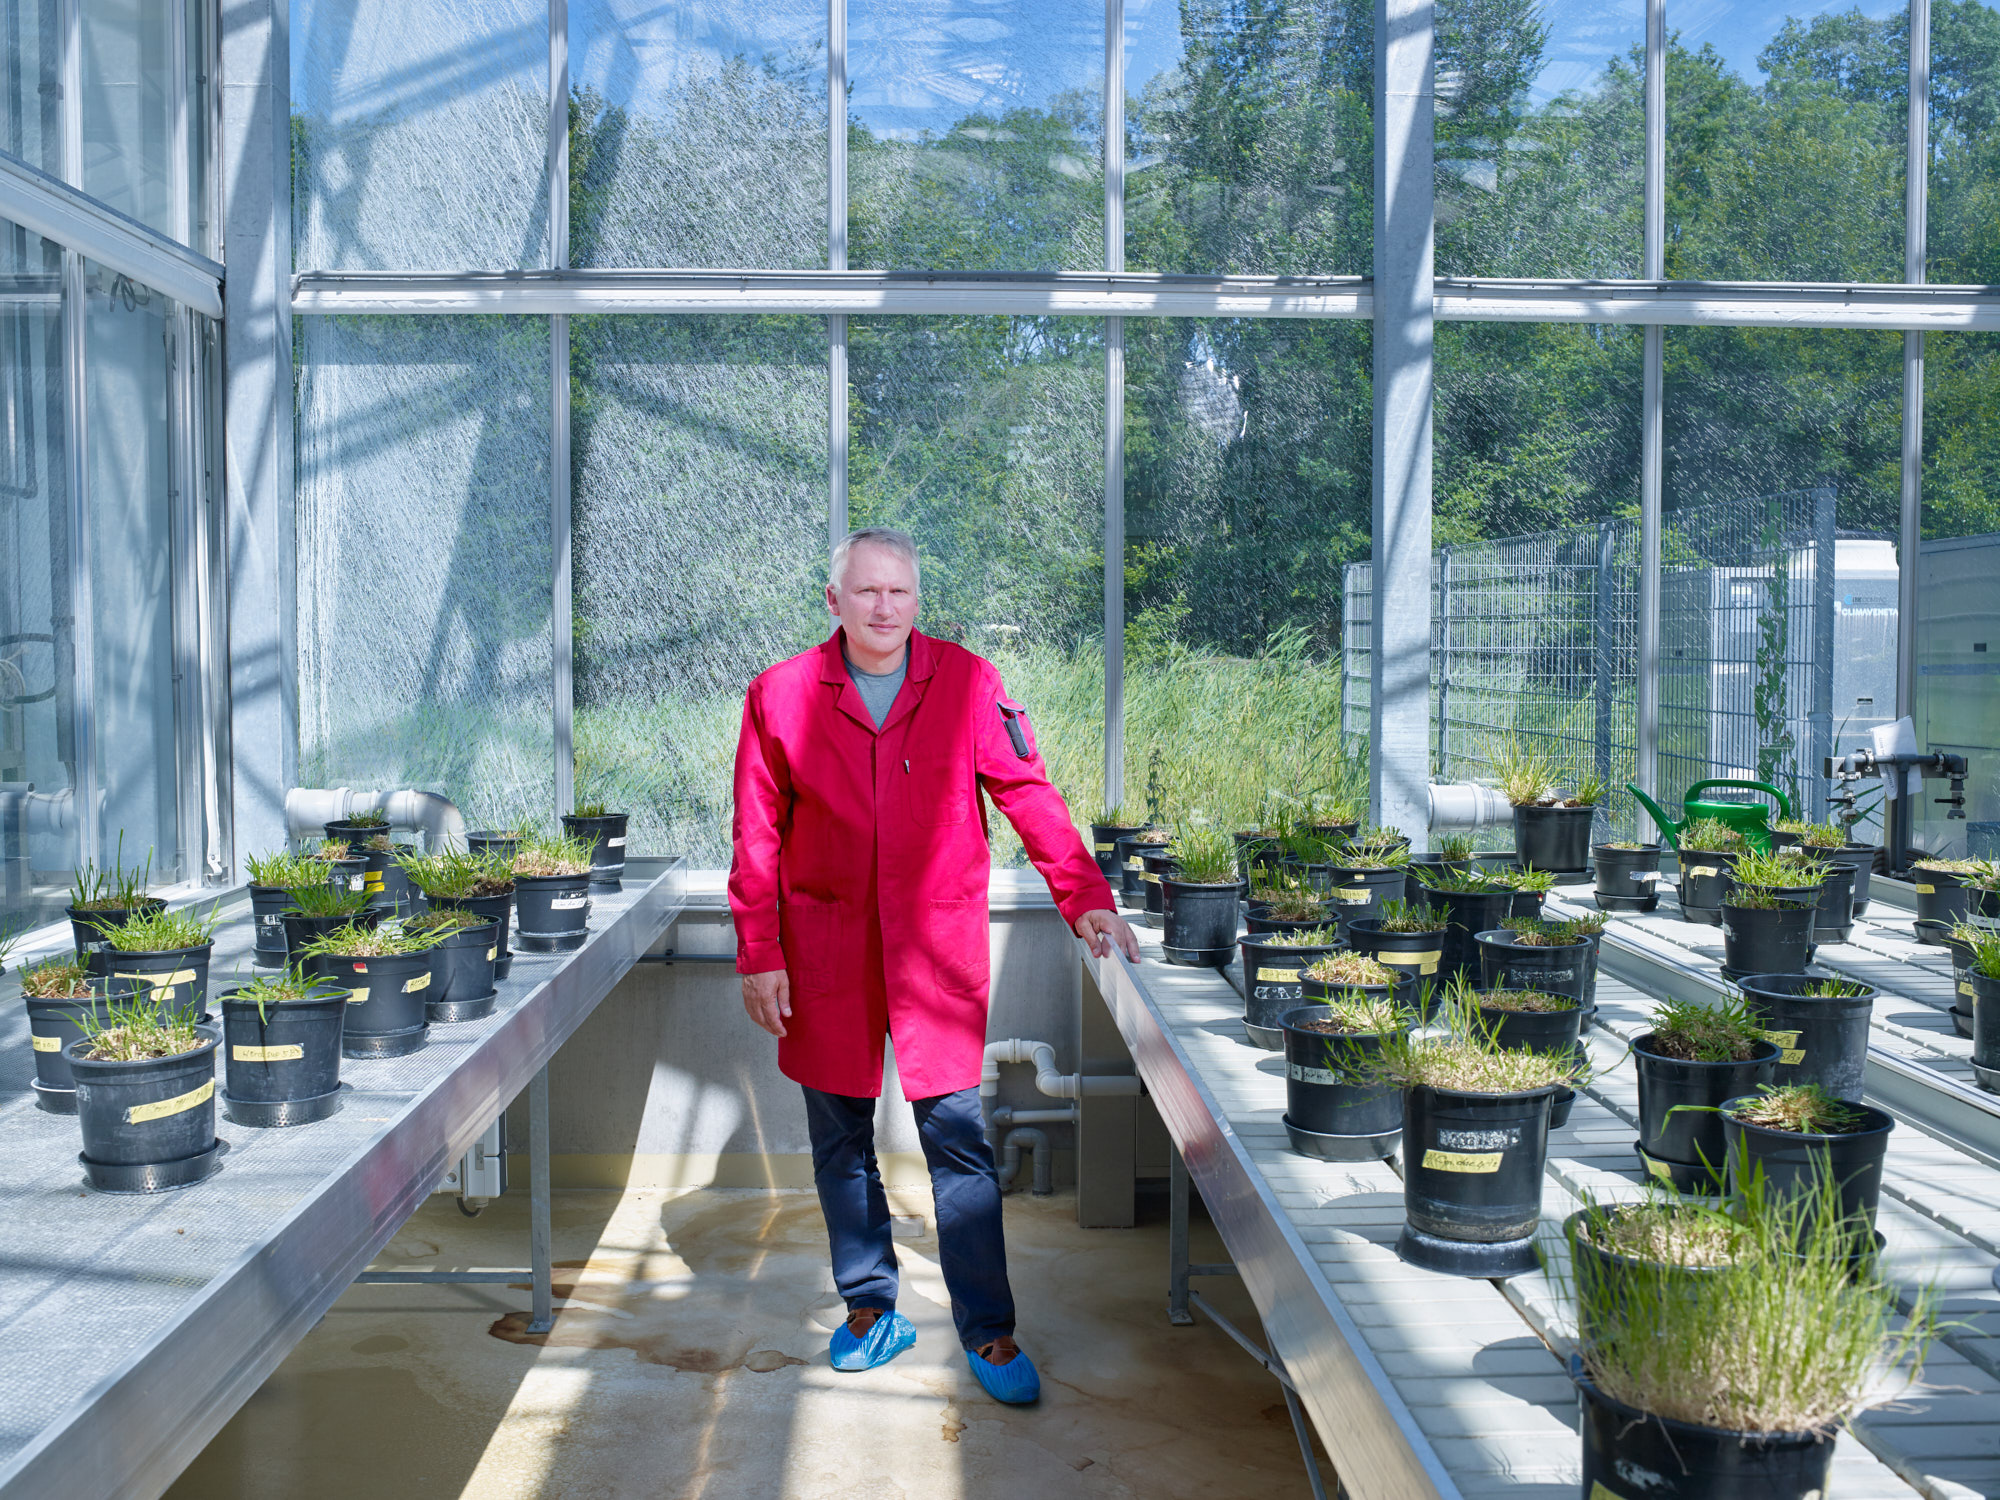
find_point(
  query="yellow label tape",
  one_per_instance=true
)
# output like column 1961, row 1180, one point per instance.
column 1277, row 976
column 492, row 953
column 180, row 1104
column 1150, row 878
column 356, row 997
column 48, row 1044
column 1926, row 890
column 1106, row 848
column 1463, row 1161
column 1965, row 988
column 1423, row 963
column 1704, row 870
column 162, row 981
column 1782, row 1038
column 421, row 982
column 1791, row 1057
column 1132, row 862
column 290, row 1052
column 372, row 881
column 1352, row 895
column 1598, row 1491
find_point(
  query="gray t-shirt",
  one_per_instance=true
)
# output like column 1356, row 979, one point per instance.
column 878, row 689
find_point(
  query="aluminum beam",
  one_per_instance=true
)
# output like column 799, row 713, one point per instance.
column 1910, row 516
column 58, row 212
column 1652, row 434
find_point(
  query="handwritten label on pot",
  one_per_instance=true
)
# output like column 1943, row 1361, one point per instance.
column 568, row 903
column 1791, row 1057
column 180, row 1104
column 1423, row 963
column 270, row 921
column 421, row 982
column 1647, row 877
column 1782, row 1038
column 290, row 1052
column 1926, row 890
column 1704, row 870
column 162, row 981
column 1313, row 1075
column 357, row 997
column 1353, row 895
column 1463, row 1161
column 48, row 1044
column 1524, row 979
column 1965, row 988
column 1277, row 976
column 357, row 882
column 620, row 844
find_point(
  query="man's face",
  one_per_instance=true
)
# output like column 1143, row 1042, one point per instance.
column 876, row 599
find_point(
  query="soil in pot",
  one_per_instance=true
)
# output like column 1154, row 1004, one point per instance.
column 1685, row 1462
column 1553, row 838
column 1682, row 1083
column 1198, row 923
column 148, row 1122
column 1838, row 1136
column 281, row 1062
column 1472, row 1179
column 1417, row 953
column 1507, row 961
column 606, row 835
column 1767, row 939
column 1338, row 1106
column 1704, row 876
column 1627, row 879
column 1272, row 981
column 1819, row 1023
column 551, row 912
column 1356, row 891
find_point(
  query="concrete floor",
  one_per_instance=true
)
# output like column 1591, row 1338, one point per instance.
column 689, row 1360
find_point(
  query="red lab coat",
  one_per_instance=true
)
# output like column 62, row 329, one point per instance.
column 861, row 861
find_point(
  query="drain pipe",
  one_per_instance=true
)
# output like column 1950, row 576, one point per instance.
column 1465, row 806
column 308, row 810
column 1010, row 1159
column 1047, row 1079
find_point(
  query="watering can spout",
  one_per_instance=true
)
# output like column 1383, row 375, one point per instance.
column 1669, row 829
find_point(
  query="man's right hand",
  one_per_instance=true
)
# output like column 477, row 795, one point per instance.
column 767, row 998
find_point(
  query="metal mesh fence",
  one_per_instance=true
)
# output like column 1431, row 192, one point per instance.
column 1537, row 636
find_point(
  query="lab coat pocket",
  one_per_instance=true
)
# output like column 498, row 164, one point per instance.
column 935, row 791
column 811, row 932
column 955, row 935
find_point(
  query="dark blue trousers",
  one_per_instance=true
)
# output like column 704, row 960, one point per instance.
column 963, row 1183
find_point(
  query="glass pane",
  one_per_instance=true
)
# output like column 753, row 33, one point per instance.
column 37, row 692
column 984, row 438
column 126, row 366
column 1541, row 144
column 131, row 74
column 424, row 560
column 1785, row 142
column 1965, row 108
column 975, row 135
column 31, row 85
column 1957, row 700
column 1782, row 447
column 1246, row 490
column 420, row 135
column 1249, row 136
column 700, row 512
column 698, row 134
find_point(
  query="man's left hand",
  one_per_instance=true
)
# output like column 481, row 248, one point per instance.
column 1100, row 929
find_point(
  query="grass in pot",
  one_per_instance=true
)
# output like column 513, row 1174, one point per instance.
column 1527, row 953
column 1256, row 846
column 1113, row 824
column 1661, row 1240
column 1408, row 936
column 1530, row 888
column 1942, row 900
column 145, row 1097
column 99, row 897
column 1454, row 852
column 1338, row 1106
column 1273, row 963
column 462, row 963
column 469, row 882
column 359, row 828
column 273, row 879
column 1697, row 1056
column 1768, row 915
column 385, row 973
column 604, row 830
column 1551, row 826
column 1960, row 942
column 501, row 844
column 1473, row 902
column 1198, row 901
column 1367, row 877
column 62, row 996
column 1831, row 842
column 1708, row 848
column 1982, row 972
column 281, row 1049
column 1475, row 1141
column 1731, row 1378
column 345, row 865
column 1982, row 887
column 1628, row 876
column 552, row 894
column 1355, row 974
column 1789, row 1142
column 317, row 910
column 1833, row 892
column 1286, row 907
column 1820, row 1024
column 161, row 956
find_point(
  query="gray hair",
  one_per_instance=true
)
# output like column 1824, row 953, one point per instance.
column 899, row 542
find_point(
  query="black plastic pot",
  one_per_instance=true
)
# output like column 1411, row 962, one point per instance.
column 1961, row 986
column 1104, row 839
column 607, row 844
column 1833, row 910
column 462, row 974
column 1332, row 1108
column 1690, row 1139
column 1941, row 897
column 1985, row 1029
column 301, row 929
column 1767, row 940
column 1338, row 833
column 1506, row 963
column 1131, row 884
column 1272, row 986
column 1419, row 953
column 375, row 867
column 1467, row 913
column 176, row 979
column 1260, row 923
column 1822, row 1041
column 346, row 831
column 1704, row 877
column 1402, row 993
column 1553, row 838
column 267, row 925
column 1255, row 849
column 493, row 841
column 1684, row 1462
column 1427, row 865
column 500, row 908
column 397, row 896
column 386, row 997
column 1792, row 1162
column 1198, row 923
column 1472, row 1180
column 1604, row 1276
column 86, row 927
column 1155, row 865
column 1860, row 858
column 1539, row 1030
column 551, row 912
column 147, row 1125
column 282, row 1067
column 1353, row 892
column 1627, row 879
column 350, row 874
column 52, row 1026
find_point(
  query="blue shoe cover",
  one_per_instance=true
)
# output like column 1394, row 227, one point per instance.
column 891, row 1335
column 1015, row 1382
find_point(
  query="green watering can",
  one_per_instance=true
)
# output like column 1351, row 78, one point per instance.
column 1747, row 818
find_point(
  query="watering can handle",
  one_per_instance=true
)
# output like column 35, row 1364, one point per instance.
column 1784, row 807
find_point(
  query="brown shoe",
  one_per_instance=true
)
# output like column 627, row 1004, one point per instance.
column 1001, row 1351
column 861, row 1320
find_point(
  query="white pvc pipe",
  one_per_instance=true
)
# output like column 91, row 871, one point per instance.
column 308, row 810
column 1047, row 1079
column 1463, row 805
